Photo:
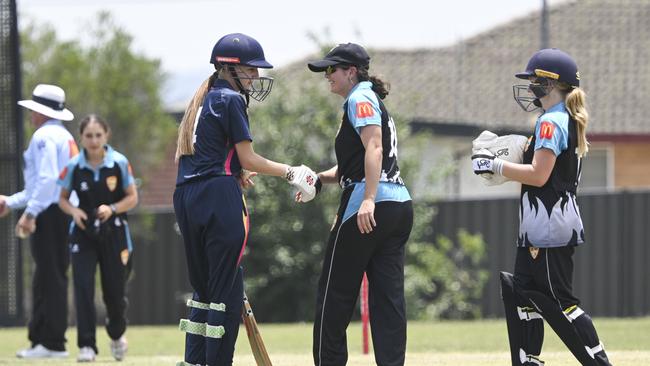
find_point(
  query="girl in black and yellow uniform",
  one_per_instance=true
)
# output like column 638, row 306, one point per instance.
column 103, row 181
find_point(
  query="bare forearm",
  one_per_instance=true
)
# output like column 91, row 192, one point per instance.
column 65, row 204
column 524, row 173
column 127, row 203
column 252, row 161
column 372, row 163
column 261, row 165
column 329, row 176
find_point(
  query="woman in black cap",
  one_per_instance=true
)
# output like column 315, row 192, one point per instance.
column 374, row 218
column 550, row 225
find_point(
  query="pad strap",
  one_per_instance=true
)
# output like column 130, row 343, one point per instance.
column 573, row 313
column 218, row 307
column 524, row 358
column 202, row 329
column 592, row 351
column 198, row 305
column 528, row 314
column 201, row 305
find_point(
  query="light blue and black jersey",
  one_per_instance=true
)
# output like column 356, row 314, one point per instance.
column 549, row 215
column 105, row 184
column 363, row 108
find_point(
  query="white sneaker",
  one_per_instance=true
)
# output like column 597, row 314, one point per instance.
column 40, row 351
column 86, row 354
column 119, row 348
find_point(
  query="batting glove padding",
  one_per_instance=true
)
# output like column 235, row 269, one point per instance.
column 500, row 148
column 484, row 162
column 305, row 180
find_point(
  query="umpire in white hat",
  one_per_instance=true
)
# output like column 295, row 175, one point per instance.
column 48, row 153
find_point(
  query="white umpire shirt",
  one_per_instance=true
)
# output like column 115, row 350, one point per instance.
column 48, row 153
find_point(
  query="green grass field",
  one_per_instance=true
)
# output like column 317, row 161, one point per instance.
column 446, row 343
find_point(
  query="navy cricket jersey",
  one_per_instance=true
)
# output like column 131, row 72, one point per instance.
column 363, row 108
column 549, row 215
column 221, row 123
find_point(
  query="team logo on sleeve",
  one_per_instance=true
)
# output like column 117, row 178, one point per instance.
column 64, row 172
column 74, row 150
column 364, row 109
column 111, row 183
column 546, row 130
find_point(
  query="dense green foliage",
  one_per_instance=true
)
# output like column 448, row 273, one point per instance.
column 101, row 74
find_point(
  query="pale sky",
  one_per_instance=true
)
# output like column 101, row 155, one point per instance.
column 181, row 33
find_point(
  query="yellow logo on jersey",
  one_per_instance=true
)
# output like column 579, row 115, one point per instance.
column 111, row 183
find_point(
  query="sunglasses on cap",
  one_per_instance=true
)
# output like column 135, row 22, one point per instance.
column 332, row 69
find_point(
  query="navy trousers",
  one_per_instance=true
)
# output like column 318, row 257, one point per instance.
column 213, row 221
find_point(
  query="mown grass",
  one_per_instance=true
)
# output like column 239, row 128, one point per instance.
column 445, row 343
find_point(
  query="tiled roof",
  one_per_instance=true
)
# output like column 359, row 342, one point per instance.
column 471, row 82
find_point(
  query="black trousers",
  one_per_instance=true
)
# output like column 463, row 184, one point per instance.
column 348, row 255
column 109, row 249
column 50, row 282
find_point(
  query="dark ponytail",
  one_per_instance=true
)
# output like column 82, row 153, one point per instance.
column 378, row 86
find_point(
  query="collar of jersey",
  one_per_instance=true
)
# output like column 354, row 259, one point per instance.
column 108, row 162
column 360, row 86
column 221, row 83
column 52, row 121
column 557, row 108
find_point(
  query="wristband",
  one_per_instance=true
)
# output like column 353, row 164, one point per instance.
column 497, row 166
column 113, row 208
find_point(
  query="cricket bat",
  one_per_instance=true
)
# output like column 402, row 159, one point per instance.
column 254, row 336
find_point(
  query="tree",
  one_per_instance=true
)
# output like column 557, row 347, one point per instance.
column 103, row 75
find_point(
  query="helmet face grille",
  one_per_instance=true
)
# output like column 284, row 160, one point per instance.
column 524, row 99
column 260, row 88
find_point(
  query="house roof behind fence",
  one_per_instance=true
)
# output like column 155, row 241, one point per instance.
column 470, row 83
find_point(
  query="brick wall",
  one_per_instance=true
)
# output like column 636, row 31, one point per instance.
column 631, row 164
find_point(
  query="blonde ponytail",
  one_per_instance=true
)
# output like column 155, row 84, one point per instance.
column 185, row 142
column 576, row 105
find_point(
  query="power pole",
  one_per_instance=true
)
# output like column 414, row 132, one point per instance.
column 544, row 25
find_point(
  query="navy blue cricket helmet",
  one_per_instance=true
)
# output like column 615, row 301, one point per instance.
column 239, row 49
column 554, row 64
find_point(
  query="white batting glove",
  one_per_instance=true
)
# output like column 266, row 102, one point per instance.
column 484, row 161
column 305, row 179
column 506, row 148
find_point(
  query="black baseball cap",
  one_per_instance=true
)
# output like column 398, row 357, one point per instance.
column 344, row 53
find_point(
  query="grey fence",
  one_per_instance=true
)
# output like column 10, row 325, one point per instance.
column 11, row 289
column 611, row 277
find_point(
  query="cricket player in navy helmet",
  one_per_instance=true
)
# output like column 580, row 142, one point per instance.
column 550, row 227
column 374, row 218
column 214, row 153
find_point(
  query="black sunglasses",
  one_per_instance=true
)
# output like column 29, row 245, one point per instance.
column 331, row 69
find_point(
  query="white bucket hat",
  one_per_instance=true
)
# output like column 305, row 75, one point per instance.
column 50, row 101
